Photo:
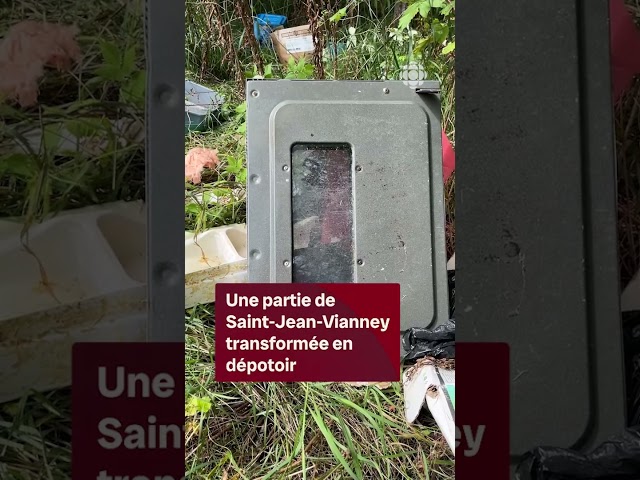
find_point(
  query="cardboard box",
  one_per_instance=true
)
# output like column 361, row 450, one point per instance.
column 296, row 42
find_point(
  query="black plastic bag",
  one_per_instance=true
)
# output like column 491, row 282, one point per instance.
column 616, row 459
column 438, row 343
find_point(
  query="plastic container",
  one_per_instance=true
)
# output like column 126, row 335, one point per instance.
column 265, row 23
column 201, row 107
column 95, row 261
column 218, row 255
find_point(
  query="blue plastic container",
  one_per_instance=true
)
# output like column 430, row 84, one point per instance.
column 201, row 107
column 265, row 23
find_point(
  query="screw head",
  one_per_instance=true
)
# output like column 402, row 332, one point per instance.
column 285, row 168
column 255, row 93
column 358, row 168
column 286, row 263
column 167, row 95
column 166, row 273
column 385, row 90
column 360, row 262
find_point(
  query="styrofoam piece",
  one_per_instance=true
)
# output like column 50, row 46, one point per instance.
column 84, row 253
column 37, row 357
column 451, row 264
column 94, row 287
column 218, row 255
column 630, row 299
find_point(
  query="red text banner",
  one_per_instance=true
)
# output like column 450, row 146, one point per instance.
column 307, row 332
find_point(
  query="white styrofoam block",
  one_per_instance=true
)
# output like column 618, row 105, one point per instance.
column 84, row 253
column 38, row 357
column 215, row 256
column 95, row 264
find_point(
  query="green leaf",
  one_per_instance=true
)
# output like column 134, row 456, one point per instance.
column 110, row 53
column 409, row 14
column 241, row 177
column 86, row 127
column 80, row 104
column 110, row 72
column 437, row 3
column 450, row 47
column 440, row 31
column 197, row 405
column 425, row 8
column 51, row 138
column 242, row 128
column 129, row 61
column 134, row 89
column 268, row 71
column 241, row 109
column 234, row 165
column 339, row 15
column 7, row 111
column 421, row 45
column 221, row 192
column 18, row 164
column 192, row 208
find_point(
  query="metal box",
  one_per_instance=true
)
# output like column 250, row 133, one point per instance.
column 536, row 224
column 345, row 185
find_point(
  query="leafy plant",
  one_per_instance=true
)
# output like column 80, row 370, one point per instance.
column 438, row 18
column 120, row 66
column 299, row 70
column 197, row 405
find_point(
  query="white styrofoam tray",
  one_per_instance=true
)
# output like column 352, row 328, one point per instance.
column 95, row 289
column 215, row 256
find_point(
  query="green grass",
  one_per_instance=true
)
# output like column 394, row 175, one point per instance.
column 303, row 430
column 36, row 181
column 35, row 437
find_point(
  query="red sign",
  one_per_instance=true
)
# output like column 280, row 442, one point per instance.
column 482, row 411
column 128, row 411
column 291, row 332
